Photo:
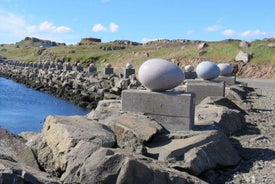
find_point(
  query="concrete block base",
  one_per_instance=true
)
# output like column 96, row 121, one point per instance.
column 229, row 80
column 108, row 71
column 68, row 68
column 204, row 88
column 92, row 70
column 173, row 110
column 190, row 75
column 128, row 72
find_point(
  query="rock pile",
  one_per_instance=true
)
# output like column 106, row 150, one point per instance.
column 81, row 88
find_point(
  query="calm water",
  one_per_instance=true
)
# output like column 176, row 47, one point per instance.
column 23, row 109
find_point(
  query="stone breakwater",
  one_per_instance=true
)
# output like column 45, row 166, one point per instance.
column 81, row 88
column 109, row 145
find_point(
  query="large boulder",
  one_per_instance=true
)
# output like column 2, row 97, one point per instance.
column 13, row 172
column 229, row 121
column 196, row 151
column 222, row 101
column 105, row 110
column 60, row 134
column 117, row 166
column 133, row 130
column 10, row 145
column 242, row 56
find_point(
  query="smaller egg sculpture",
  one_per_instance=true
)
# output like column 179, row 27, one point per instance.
column 160, row 74
column 129, row 66
column 108, row 65
column 225, row 69
column 207, row 70
column 189, row 68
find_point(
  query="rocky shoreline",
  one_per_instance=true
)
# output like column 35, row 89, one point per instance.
column 233, row 139
column 80, row 88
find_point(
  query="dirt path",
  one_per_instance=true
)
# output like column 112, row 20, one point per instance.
column 256, row 144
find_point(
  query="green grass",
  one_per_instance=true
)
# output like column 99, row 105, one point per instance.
column 223, row 51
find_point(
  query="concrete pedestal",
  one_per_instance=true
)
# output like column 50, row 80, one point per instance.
column 46, row 66
column 128, row 72
column 67, row 68
column 204, row 88
column 79, row 68
column 59, row 67
column 229, row 80
column 108, row 71
column 174, row 110
column 92, row 69
column 190, row 75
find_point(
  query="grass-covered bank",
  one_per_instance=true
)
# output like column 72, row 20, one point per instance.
column 119, row 53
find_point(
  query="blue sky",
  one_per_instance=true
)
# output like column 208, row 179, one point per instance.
column 137, row 20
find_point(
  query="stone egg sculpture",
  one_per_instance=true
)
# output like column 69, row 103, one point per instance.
column 207, row 70
column 129, row 66
column 189, row 68
column 108, row 65
column 225, row 69
column 160, row 74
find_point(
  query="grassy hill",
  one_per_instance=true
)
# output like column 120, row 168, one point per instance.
column 118, row 53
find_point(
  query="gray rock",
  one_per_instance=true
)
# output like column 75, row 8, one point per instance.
column 61, row 134
column 196, row 151
column 229, row 121
column 117, row 166
column 244, row 44
column 202, row 45
column 12, row 172
column 271, row 45
column 242, row 56
column 222, row 101
column 76, row 158
column 105, row 110
column 13, row 148
column 132, row 130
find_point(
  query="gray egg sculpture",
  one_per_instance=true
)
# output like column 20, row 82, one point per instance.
column 207, row 70
column 189, row 68
column 225, row 69
column 129, row 66
column 160, row 74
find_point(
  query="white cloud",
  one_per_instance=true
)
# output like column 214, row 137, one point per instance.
column 14, row 27
column 247, row 33
column 229, row 32
column 188, row 32
column 212, row 28
column 99, row 28
column 50, row 27
column 253, row 33
column 113, row 27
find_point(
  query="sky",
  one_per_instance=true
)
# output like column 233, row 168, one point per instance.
column 68, row 21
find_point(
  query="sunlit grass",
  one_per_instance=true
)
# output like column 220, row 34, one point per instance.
column 223, row 51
